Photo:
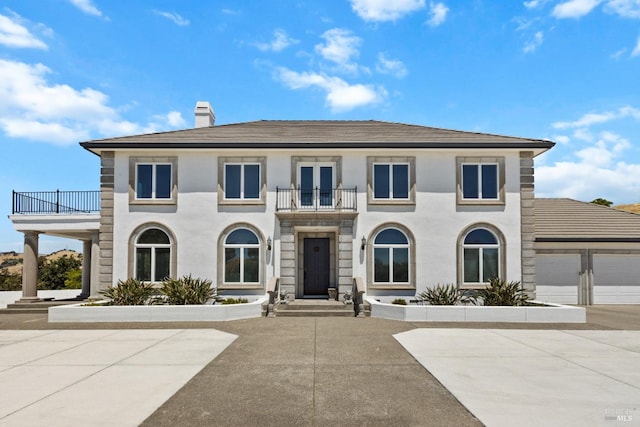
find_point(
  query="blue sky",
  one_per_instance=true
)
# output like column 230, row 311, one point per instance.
column 73, row 70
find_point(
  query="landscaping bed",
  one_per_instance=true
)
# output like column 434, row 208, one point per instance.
column 538, row 312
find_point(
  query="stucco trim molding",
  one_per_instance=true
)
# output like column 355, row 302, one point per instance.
column 371, row 160
column 500, row 201
column 132, row 180
column 262, row 161
column 460, row 256
column 221, row 285
column 173, row 269
column 412, row 258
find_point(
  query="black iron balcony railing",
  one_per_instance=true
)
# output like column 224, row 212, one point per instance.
column 316, row 199
column 56, row 202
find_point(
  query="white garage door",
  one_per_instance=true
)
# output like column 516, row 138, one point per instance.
column 557, row 278
column 616, row 279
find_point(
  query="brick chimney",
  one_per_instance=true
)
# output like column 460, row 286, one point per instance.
column 204, row 114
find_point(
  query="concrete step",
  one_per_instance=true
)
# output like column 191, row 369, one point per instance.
column 314, row 313
column 36, row 307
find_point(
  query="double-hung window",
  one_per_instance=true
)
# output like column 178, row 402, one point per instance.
column 153, row 180
column 242, row 181
column 391, row 181
column 480, row 180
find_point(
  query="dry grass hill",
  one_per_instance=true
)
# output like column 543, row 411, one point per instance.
column 634, row 207
column 13, row 260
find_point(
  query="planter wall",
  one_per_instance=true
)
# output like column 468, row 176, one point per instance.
column 156, row 313
column 551, row 313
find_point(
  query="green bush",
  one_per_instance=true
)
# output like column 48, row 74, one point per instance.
column 52, row 274
column 187, row 290
column 130, row 292
column 9, row 281
column 442, row 295
column 399, row 301
column 234, row 301
column 500, row 292
column 74, row 279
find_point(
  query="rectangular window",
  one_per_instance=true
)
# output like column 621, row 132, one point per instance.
column 381, row 265
column 153, row 181
column 400, row 265
column 143, row 264
column 390, row 181
column 480, row 181
column 232, row 265
column 242, row 181
column 471, row 265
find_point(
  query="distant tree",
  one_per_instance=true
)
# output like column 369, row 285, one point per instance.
column 74, row 279
column 53, row 274
column 9, row 281
column 601, row 201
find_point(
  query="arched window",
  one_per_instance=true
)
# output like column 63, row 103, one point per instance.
column 391, row 257
column 242, row 257
column 152, row 255
column 481, row 253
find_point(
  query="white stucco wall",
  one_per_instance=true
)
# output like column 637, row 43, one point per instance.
column 435, row 220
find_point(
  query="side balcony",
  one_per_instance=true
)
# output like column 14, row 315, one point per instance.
column 68, row 214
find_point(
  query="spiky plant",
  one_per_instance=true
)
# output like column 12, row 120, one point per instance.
column 129, row 292
column 501, row 293
column 442, row 295
column 187, row 290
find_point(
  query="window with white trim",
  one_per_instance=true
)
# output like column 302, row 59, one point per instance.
column 152, row 255
column 391, row 181
column 242, row 181
column 481, row 257
column 391, row 257
column 153, row 181
column 480, row 181
column 242, row 257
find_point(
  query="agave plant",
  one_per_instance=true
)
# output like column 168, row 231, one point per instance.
column 187, row 290
column 442, row 295
column 129, row 292
column 501, row 292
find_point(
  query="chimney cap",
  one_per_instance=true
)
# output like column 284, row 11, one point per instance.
column 204, row 114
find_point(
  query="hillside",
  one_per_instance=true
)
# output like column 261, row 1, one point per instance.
column 634, row 207
column 12, row 261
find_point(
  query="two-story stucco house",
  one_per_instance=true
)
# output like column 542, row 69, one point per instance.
column 315, row 204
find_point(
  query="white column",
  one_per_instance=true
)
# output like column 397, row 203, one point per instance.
column 86, row 269
column 30, row 268
column 95, row 266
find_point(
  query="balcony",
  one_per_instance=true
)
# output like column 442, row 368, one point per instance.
column 55, row 203
column 316, row 200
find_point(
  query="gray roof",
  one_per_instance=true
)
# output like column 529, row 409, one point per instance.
column 568, row 220
column 318, row 134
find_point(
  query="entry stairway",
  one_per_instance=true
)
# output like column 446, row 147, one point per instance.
column 316, row 308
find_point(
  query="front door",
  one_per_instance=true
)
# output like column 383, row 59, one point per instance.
column 316, row 266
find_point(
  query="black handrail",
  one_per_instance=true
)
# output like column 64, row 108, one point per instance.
column 316, row 199
column 55, row 202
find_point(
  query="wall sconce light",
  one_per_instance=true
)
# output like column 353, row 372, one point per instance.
column 268, row 243
column 364, row 243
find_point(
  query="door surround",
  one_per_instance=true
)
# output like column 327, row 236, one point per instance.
column 331, row 234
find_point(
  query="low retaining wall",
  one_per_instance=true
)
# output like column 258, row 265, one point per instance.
column 551, row 313
column 156, row 313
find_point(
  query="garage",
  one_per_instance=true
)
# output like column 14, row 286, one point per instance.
column 586, row 253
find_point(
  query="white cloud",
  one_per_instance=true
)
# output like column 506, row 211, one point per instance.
column 14, row 34
column 438, row 14
column 597, row 118
column 562, row 139
column 174, row 17
column 625, row 8
column 281, row 41
column 534, row 43
column 231, row 11
column 340, row 47
column 32, row 108
column 618, row 54
column 394, row 67
column 534, row 3
column 385, row 10
column 636, row 50
column 574, row 8
column 87, row 7
column 341, row 96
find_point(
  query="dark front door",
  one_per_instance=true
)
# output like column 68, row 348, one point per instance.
column 316, row 266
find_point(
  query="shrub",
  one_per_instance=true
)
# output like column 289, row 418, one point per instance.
column 129, row 292
column 501, row 292
column 442, row 295
column 187, row 290
column 234, row 301
column 9, row 281
column 52, row 274
column 399, row 301
column 74, row 279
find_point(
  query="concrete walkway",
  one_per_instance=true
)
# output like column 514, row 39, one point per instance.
column 99, row 377
column 533, row 378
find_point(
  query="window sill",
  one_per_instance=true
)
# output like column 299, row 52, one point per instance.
column 152, row 202
column 480, row 202
column 392, row 287
column 404, row 202
column 236, row 286
column 241, row 202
